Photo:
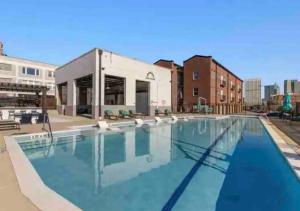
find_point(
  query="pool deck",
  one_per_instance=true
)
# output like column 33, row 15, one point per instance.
column 10, row 193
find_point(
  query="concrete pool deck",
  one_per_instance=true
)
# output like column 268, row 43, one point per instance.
column 10, row 192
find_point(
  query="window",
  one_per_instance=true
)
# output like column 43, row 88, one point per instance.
column 114, row 93
column 195, row 91
column 5, row 67
column 50, row 74
column 196, row 75
column 30, row 71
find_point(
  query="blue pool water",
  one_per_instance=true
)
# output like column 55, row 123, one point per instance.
column 203, row 164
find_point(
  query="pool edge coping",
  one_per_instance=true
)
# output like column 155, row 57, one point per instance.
column 30, row 183
column 284, row 148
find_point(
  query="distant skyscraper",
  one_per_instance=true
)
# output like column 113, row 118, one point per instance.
column 297, row 87
column 289, row 86
column 271, row 90
column 252, row 92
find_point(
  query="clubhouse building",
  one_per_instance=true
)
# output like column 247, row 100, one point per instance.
column 100, row 80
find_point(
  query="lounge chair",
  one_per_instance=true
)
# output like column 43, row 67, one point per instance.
column 11, row 115
column 158, row 112
column 110, row 115
column 9, row 124
column 26, row 119
column 167, row 112
column 134, row 114
column 40, row 118
column 124, row 114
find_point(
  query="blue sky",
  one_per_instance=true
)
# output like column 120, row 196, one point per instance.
column 252, row 38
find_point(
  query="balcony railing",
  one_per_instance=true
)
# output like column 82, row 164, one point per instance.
column 223, row 83
column 232, row 87
column 239, row 90
column 222, row 98
column 232, row 99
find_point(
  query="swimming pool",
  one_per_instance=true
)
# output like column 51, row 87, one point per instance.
column 200, row 164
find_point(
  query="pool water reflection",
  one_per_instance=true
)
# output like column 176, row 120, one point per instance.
column 141, row 168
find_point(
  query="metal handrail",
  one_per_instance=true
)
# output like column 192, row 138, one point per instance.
column 49, row 126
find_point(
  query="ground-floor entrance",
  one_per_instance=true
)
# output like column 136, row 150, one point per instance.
column 142, row 97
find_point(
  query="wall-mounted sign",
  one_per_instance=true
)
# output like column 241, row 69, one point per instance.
column 150, row 76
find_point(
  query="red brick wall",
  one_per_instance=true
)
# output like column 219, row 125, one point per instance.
column 201, row 64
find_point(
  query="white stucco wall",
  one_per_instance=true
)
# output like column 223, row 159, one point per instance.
column 15, row 75
column 77, row 68
column 116, row 65
column 132, row 70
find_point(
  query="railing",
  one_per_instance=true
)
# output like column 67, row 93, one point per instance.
column 239, row 90
column 223, row 98
column 232, row 87
column 232, row 99
column 47, row 121
column 223, row 83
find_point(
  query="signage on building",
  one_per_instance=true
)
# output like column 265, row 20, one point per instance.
column 150, row 76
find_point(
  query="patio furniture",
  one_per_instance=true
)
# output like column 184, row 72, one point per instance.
column 11, row 114
column 9, row 124
column 167, row 112
column 158, row 112
column 26, row 119
column 110, row 115
column 41, row 117
column 134, row 114
column 124, row 114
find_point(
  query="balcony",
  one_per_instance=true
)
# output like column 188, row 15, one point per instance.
column 223, row 83
column 239, row 90
column 232, row 99
column 223, row 98
column 232, row 87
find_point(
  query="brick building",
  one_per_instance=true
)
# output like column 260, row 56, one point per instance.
column 209, row 80
column 176, row 83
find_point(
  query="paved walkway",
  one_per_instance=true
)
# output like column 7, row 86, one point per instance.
column 290, row 128
column 11, row 197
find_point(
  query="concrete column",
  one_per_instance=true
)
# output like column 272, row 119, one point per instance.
column 95, row 95
column 96, row 87
column 71, row 98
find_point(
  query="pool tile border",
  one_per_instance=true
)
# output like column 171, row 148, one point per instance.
column 287, row 151
column 31, row 184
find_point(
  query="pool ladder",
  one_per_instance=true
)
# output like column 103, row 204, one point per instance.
column 47, row 121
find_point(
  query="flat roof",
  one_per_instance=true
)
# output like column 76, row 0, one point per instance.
column 28, row 60
column 104, row 50
column 218, row 63
column 165, row 60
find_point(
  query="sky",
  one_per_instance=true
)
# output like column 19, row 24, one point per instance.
column 254, row 39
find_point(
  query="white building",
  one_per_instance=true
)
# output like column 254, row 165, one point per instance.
column 24, row 71
column 100, row 80
column 252, row 92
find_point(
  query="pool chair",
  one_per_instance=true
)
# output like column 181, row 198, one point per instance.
column 124, row 114
column 158, row 112
column 26, row 119
column 11, row 115
column 40, row 118
column 108, row 114
column 134, row 114
column 167, row 112
column 9, row 124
